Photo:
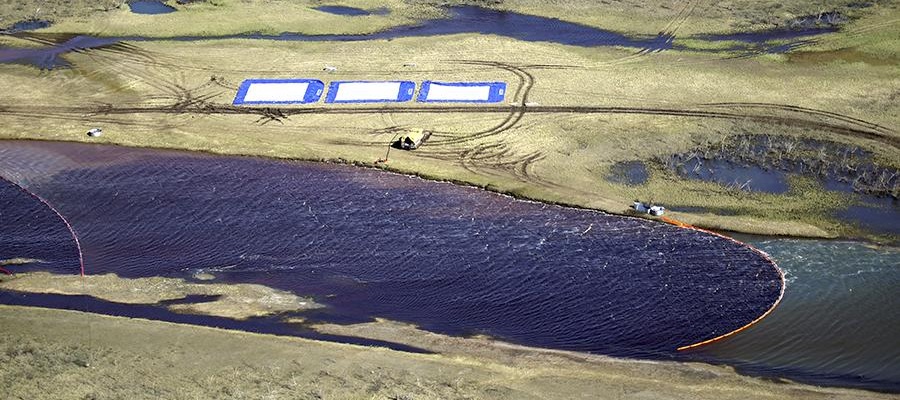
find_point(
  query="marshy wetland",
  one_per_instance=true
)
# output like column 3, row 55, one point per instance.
column 753, row 116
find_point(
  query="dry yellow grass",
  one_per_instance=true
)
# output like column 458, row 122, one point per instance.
column 553, row 156
column 59, row 354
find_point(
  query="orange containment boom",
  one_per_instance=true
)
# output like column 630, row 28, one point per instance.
column 760, row 252
column 59, row 215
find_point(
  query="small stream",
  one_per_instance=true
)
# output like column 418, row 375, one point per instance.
column 460, row 20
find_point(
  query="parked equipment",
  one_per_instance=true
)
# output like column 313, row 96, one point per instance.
column 413, row 140
column 648, row 208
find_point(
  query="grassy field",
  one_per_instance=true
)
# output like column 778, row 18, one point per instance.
column 55, row 354
column 571, row 115
column 588, row 109
column 112, row 17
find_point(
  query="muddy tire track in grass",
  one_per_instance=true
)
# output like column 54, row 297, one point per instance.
column 489, row 157
column 857, row 130
column 809, row 111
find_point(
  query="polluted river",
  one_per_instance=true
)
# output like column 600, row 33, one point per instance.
column 455, row 260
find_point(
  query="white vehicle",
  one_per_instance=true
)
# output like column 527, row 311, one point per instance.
column 648, row 209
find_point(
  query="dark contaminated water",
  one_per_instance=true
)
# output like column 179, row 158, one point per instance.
column 451, row 259
column 150, row 7
column 372, row 244
column 464, row 19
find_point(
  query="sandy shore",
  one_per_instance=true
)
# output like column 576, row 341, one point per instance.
column 237, row 301
column 72, row 355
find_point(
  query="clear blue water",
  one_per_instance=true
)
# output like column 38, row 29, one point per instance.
column 367, row 243
column 150, row 7
column 453, row 259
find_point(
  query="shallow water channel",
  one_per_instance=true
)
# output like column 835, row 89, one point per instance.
column 451, row 259
column 459, row 20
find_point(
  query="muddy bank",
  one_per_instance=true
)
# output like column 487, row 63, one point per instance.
column 144, row 359
column 238, row 301
column 19, row 261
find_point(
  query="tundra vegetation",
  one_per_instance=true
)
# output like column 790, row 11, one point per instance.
column 827, row 108
column 589, row 108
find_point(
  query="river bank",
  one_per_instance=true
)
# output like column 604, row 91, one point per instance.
column 527, row 272
column 65, row 354
column 166, row 95
column 589, row 106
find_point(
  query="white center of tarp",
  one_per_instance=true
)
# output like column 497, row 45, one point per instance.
column 458, row 93
column 276, row 91
column 360, row 91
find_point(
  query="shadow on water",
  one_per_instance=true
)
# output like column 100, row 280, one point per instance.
column 49, row 57
column 352, row 11
column 267, row 325
column 462, row 19
column 150, row 7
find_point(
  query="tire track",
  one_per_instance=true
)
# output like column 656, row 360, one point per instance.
column 855, row 130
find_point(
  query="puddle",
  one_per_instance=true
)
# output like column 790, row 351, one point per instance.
column 769, row 36
column 763, row 163
column 744, row 177
column 352, row 11
column 150, row 7
column 878, row 214
column 628, row 173
column 874, row 218
column 825, row 19
column 28, row 25
column 701, row 210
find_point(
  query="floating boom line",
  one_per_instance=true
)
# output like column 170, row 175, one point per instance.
column 58, row 214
